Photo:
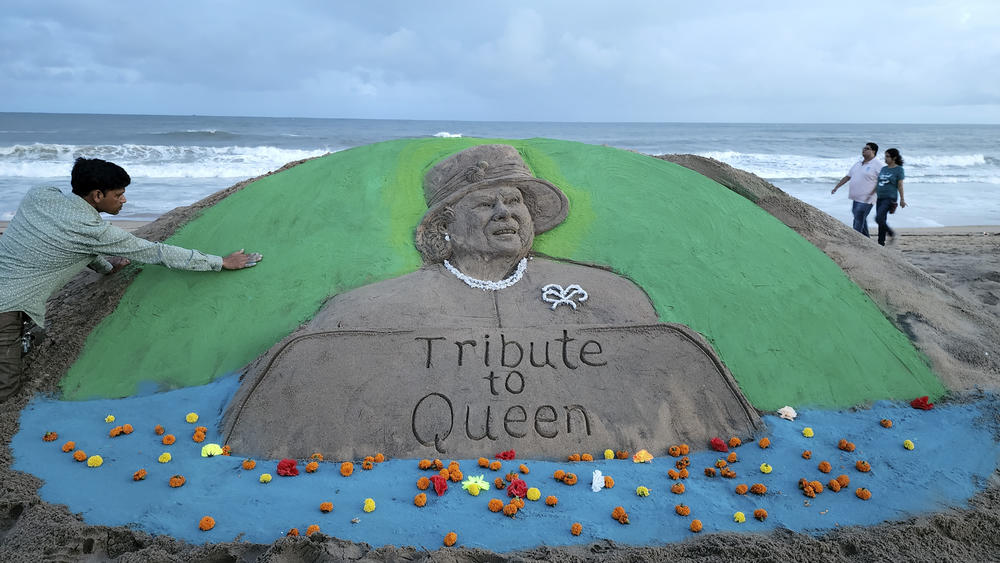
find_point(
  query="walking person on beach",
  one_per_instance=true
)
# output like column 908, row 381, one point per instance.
column 889, row 188
column 862, row 176
column 53, row 236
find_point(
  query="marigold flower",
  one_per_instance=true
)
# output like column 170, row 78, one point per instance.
column 573, row 457
column 518, row 502
column 620, row 515
column 569, row 479
column 206, row 523
column 325, row 506
column 169, row 439
column 177, row 481
column 834, row 485
column 741, row 489
column 682, row 509
column 677, row 488
column 69, row 446
column 683, row 473
column 863, row 466
column 735, row 442
column 483, row 462
column 825, row 467
column 499, row 483
column 844, row 480
column 198, row 437
column 437, row 465
column 369, row 505
column 682, row 462
column 316, row 456
column 495, row 466
column 739, row 517
column 576, row 529
column 622, row 454
column 265, row 478
column 249, row 464
column 510, row 510
column 760, row 514
column 79, row 455
column 312, row 529
column 450, row 538
column 808, row 432
column 908, row 444
column 609, row 454
column 765, row 468
column 709, row 472
column 115, row 432
column 312, row 466
column 551, row 500
column 227, row 450
column 379, row 458
column 191, row 417
column 423, row 483
column 127, row 429
column 732, row 457
column 420, row 499
column 523, row 469
column 164, row 458
column 293, row 533
column 764, row 443
column 758, row 489
column 807, row 454
column 534, row 494
column 50, row 437
column 159, row 430
column 685, row 449
column 95, row 461
column 642, row 491
column 558, row 475
column 586, row 457
column 495, row 505
column 886, row 423
column 455, row 475
column 202, row 429
column 609, row 483
column 424, row 464
column 696, row 526
column 109, row 419
column 720, row 463
column 139, row 475
column 863, row 493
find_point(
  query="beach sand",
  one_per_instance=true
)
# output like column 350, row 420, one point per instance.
column 964, row 259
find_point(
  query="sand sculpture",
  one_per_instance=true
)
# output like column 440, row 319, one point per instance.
column 487, row 347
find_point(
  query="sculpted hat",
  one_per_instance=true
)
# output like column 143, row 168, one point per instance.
column 486, row 166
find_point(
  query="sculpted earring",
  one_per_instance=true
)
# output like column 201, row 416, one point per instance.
column 447, row 238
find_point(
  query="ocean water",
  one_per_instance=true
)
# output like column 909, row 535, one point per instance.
column 953, row 171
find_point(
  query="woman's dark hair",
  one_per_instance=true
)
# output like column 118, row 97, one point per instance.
column 91, row 174
column 894, row 153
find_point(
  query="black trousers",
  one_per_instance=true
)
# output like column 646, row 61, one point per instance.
column 11, row 325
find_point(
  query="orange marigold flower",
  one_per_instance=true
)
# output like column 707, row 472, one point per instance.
column 312, row 529
column 682, row 509
column 764, row 443
column 863, row 466
column 683, row 473
column 523, row 469
column 50, row 437
column 720, row 463
column 886, row 423
column 177, row 481
column 227, row 450
column 558, row 475
column 683, row 462
column 325, row 506
column 423, row 483
column 741, row 489
column 817, row 487
column 696, row 526
column 569, row 479
column 760, row 514
column 518, row 502
column 198, row 437
column 115, row 432
column 379, row 457
column 202, row 429
column 673, row 474
column 758, row 489
column 576, row 529
column 495, row 466
column 293, row 533
column 685, row 449
column 424, row 464
column 621, row 454
column 574, row 457
column 510, row 477
column 420, row 499
column 367, row 464
column 346, row 468
column 312, row 466
column 732, row 457
column 499, row 483
column 127, row 429
column 510, row 510
column 69, row 446
column 139, row 475
column 609, row 483
column 825, row 467
column 169, row 439
column 455, row 475
column 834, row 485
column 450, row 538
column 620, row 515
column 735, row 442
column 437, row 465
column 316, row 456
column 674, row 451
column 495, row 505
column 863, row 493
column 206, row 523
column 249, row 464
column 551, row 500
column 709, row 472
column 483, row 462
column 159, row 430
column 79, row 455
column 677, row 488
column 368, row 458
column 586, row 457
column 807, row 454
column 844, row 480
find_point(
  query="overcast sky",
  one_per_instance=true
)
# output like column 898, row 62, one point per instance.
column 797, row 61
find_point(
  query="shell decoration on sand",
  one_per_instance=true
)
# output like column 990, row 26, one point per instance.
column 597, row 481
column 787, row 413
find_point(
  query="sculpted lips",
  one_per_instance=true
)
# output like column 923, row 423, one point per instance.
column 505, row 230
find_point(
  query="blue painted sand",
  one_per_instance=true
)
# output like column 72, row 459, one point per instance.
column 954, row 455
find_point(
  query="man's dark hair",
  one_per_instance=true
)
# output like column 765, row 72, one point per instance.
column 872, row 146
column 91, row 174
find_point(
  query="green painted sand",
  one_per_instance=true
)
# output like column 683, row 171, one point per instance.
column 786, row 320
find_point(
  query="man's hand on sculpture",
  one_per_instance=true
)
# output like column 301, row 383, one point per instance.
column 117, row 263
column 239, row 260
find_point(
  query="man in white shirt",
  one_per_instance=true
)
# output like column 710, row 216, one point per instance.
column 862, row 176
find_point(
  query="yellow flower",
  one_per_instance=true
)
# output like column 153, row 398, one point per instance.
column 765, row 468
column 739, row 518
column 642, row 491
column 265, row 477
column 94, row 461
column 164, row 457
column 109, row 419
column 369, row 505
column 908, row 444
column 191, row 417
column 807, row 432
column 609, row 454
column 534, row 493
column 473, row 489
column 209, row 450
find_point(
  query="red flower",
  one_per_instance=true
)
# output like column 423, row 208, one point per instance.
column 287, row 468
column 507, row 455
column 440, row 484
column 517, row 488
column 718, row 445
column 921, row 403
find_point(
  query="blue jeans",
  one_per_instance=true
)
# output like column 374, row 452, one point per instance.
column 861, row 211
column 881, row 213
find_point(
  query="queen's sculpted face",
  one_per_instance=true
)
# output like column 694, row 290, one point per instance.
column 491, row 223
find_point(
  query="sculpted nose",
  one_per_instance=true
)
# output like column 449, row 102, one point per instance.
column 500, row 210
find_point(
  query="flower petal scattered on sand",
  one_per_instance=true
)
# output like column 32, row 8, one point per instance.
column 597, row 481
column 642, row 456
column 210, row 450
column 787, row 413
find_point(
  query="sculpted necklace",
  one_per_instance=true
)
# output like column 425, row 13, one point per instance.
column 488, row 285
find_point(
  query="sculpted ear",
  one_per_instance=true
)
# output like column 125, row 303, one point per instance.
column 430, row 235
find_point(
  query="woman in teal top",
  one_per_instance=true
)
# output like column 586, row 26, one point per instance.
column 889, row 188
